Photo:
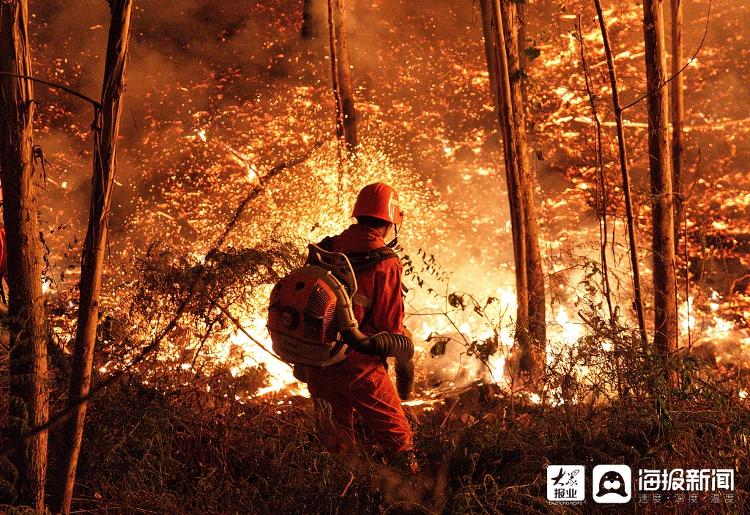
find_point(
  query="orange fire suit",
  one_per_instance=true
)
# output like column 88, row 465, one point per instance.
column 361, row 382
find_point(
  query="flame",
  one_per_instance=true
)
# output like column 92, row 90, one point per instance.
column 279, row 373
column 687, row 320
column 570, row 332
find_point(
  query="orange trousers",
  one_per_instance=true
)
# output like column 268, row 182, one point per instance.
column 360, row 383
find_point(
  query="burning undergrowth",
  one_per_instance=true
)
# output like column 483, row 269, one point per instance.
column 482, row 450
column 220, row 346
column 223, row 299
column 220, row 343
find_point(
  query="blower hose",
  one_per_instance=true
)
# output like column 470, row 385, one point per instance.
column 382, row 344
column 389, row 345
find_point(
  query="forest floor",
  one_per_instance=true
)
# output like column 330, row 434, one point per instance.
column 148, row 452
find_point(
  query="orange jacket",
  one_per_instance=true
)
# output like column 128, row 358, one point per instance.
column 380, row 284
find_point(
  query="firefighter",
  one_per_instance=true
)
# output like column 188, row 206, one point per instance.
column 361, row 382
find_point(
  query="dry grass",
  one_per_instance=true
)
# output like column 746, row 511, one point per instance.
column 190, row 453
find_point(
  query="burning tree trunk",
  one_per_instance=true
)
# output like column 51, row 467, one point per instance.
column 341, row 74
column 26, row 322
column 499, row 22
column 92, row 263
column 622, row 151
column 665, row 304
column 678, row 114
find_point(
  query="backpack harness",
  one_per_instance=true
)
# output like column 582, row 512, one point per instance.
column 310, row 316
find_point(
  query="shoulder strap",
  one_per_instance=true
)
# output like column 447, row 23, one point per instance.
column 363, row 260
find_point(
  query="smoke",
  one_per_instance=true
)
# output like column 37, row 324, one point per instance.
column 189, row 57
column 186, row 56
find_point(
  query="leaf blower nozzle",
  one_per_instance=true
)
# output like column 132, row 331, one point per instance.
column 388, row 345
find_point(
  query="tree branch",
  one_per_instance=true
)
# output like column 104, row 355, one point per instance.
column 54, row 85
column 688, row 63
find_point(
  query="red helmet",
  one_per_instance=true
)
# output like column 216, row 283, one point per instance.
column 379, row 200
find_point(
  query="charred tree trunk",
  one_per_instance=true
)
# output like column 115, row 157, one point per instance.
column 92, row 262
column 312, row 20
column 678, row 114
column 534, row 270
column 26, row 319
column 622, row 152
column 665, row 303
column 522, row 45
column 343, row 90
column 501, row 49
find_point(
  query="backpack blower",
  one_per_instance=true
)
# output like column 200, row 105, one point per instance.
column 312, row 323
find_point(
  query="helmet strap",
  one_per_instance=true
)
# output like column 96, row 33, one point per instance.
column 394, row 241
